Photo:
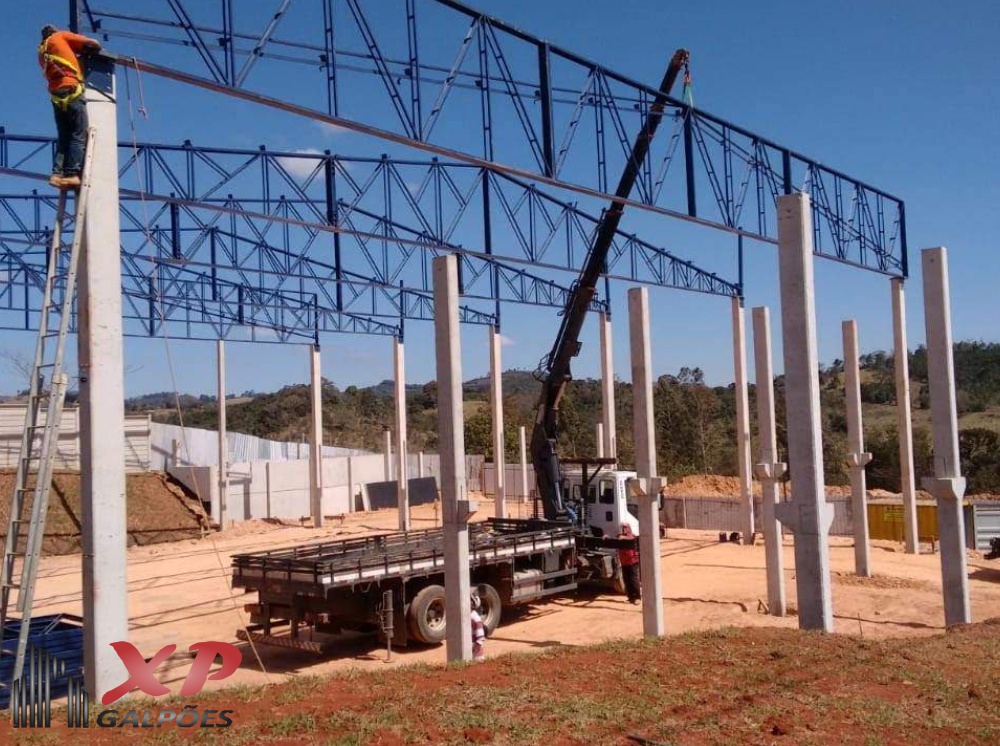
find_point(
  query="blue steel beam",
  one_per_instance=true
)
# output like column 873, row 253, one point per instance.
column 566, row 120
column 397, row 204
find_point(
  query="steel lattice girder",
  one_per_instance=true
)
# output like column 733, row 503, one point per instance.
column 566, row 120
column 395, row 214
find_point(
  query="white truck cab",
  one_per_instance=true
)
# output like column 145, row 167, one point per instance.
column 605, row 504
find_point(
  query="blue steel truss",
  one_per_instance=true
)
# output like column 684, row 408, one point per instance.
column 345, row 229
column 415, row 71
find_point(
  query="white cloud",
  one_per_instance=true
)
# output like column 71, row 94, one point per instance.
column 301, row 167
column 506, row 341
column 328, row 128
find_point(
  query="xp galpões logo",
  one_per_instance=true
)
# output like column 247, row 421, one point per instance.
column 31, row 695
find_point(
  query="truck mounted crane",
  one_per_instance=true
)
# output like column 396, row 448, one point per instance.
column 554, row 372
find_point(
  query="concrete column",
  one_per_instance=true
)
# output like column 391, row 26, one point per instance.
column 600, row 440
column 102, row 396
column 808, row 515
column 420, row 463
column 769, row 470
column 496, row 408
column 350, row 484
column 222, row 509
column 524, row 465
column 857, row 458
column 456, row 507
column 608, row 388
column 316, row 437
column 650, row 570
column 387, row 453
column 402, row 478
column 947, row 485
column 905, row 422
column 742, row 419
column 642, row 383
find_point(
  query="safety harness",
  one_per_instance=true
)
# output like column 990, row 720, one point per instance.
column 63, row 102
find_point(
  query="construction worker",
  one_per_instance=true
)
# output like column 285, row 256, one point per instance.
column 478, row 629
column 59, row 57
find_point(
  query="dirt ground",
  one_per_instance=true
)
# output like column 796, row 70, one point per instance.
column 158, row 511
column 180, row 593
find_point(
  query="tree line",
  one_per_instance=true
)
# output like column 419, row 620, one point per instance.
column 695, row 423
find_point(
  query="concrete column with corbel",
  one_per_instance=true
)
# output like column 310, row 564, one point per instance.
column 947, row 485
column 769, row 470
column 455, row 504
column 857, row 458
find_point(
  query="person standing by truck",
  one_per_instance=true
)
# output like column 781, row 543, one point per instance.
column 629, row 558
column 478, row 631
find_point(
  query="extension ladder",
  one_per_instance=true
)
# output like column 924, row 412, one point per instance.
column 46, row 395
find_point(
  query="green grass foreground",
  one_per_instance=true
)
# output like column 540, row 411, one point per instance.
column 733, row 686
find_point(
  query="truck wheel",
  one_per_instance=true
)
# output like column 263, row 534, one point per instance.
column 427, row 619
column 492, row 607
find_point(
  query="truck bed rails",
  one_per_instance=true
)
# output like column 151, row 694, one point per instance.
column 314, row 568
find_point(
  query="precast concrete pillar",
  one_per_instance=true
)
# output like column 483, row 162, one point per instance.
column 316, row 437
column 102, row 396
column 642, row 383
column 221, row 506
column 496, row 408
column 857, row 457
column 742, row 420
column 600, row 440
column 455, row 504
column 769, row 470
column 420, row 463
column 399, row 392
column 387, row 453
column 947, row 485
column 901, row 359
column 608, row 387
column 808, row 515
column 524, row 464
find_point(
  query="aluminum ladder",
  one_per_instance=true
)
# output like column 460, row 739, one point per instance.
column 47, row 394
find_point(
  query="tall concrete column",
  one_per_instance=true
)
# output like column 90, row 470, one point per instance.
column 947, row 485
column 455, row 504
column 642, row 383
column 524, row 464
column 608, row 388
column 420, row 464
column 102, row 396
column 645, row 463
column 496, row 409
column 908, row 485
column 742, row 419
column 808, row 515
column 857, row 458
column 600, row 440
column 769, row 469
column 222, row 506
column 316, row 437
column 402, row 478
column 387, row 453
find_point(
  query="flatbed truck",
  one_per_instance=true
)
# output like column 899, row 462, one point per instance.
column 336, row 586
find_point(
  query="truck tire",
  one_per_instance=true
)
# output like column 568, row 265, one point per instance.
column 426, row 615
column 492, row 607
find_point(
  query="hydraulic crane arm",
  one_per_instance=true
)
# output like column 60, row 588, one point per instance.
column 556, row 373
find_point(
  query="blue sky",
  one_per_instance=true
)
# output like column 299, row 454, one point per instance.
column 901, row 95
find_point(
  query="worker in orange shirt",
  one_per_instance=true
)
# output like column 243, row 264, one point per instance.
column 59, row 57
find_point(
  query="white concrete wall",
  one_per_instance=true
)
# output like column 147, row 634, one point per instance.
column 512, row 483
column 137, row 438
column 280, row 489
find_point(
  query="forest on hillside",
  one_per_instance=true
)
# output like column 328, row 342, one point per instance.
column 695, row 422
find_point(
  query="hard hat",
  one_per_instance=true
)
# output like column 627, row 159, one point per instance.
column 474, row 598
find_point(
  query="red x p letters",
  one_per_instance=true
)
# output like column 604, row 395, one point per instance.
column 140, row 673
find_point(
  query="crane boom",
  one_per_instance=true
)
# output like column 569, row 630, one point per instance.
column 556, row 368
